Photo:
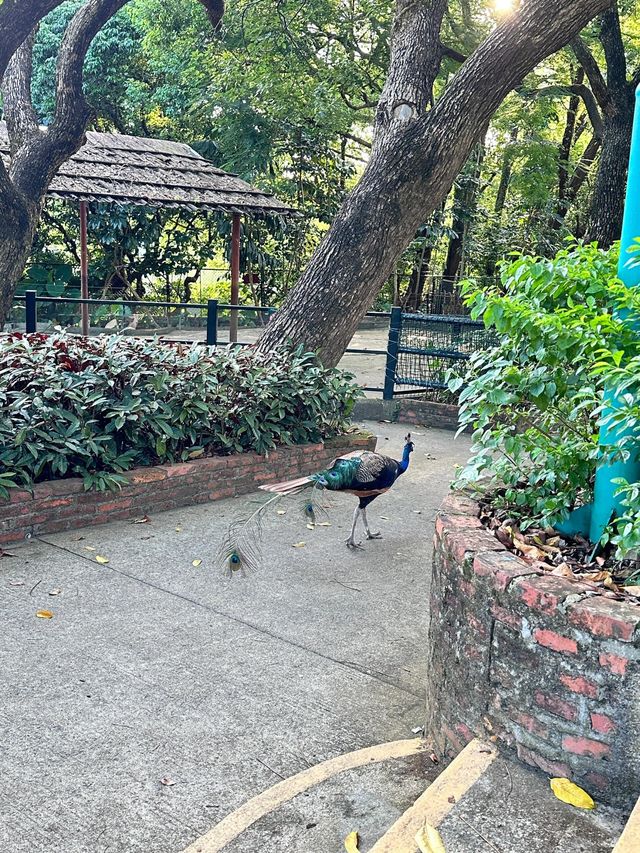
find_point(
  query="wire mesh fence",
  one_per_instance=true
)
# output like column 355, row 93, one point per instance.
column 430, row 345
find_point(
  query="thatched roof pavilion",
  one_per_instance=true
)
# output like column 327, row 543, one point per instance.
column 112, row 167
column 119, row 169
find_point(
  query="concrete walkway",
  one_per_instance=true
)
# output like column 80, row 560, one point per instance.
column 152, row 668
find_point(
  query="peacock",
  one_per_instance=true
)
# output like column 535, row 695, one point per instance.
column 363, row 474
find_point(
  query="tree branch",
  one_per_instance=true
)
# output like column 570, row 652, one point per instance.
column 582, row 170
column 17, row 19
column 594, row 75
column 578, row 89
column 18, row 110
column 452, row 53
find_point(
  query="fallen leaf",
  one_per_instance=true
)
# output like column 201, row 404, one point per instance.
column 77, row 538
column 384, row 518
column 569, row 792
column 195, row 454
column 89, row 548
column 21, row 583
column 351, row 842
column 299, row 545
column 323, row 524
column 178, row 529
column 311, row 526
column 44, row 614
column 102, row 560
column 530, row 551
column 55, row 591
column 610, row 584
column 144, row 520
column 563, row 571
column 417, row 511
column 416, row 730
column 4, row 553
column 429, row 840
column 281, row 511
column 632, row 590
column 600, row 561
column 433, row 757
column 196, row 563
column 167, row 781
column 451, row 799
column 595, row 577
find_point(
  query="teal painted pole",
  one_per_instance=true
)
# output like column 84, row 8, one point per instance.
column 604, row 501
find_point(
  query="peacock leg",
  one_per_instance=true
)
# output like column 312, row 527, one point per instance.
column 370, row 535
column 351, row 542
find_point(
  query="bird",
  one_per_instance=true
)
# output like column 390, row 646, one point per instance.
column 364, row 474
column 367, row 475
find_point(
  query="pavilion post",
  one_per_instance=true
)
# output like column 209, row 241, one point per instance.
column 235, row 276
column 84, row 269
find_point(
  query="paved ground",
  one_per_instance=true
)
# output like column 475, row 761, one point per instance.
column 154, row 668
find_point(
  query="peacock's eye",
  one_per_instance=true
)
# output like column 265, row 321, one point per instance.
column 235, row 559
column 309, row 507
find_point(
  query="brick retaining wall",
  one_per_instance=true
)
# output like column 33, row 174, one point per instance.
column 407, row 410
column 63, row 504
column 544, row 666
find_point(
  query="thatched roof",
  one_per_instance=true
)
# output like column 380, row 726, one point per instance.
column 112, row 167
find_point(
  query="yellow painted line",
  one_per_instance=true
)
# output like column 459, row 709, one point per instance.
column 439, row 798
column 629, row 841
column 236, row 823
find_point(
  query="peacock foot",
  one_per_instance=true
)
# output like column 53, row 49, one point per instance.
column 351, row 543
column 374, row 535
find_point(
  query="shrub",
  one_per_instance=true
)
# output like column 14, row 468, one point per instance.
column 95, row 408
column 534, row 400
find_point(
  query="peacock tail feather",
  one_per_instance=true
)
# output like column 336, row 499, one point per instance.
column 340, row 475
column 240, row 549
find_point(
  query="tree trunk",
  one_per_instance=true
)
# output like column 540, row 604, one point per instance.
column 17, row 229
column 409, row 175
column 465, row 202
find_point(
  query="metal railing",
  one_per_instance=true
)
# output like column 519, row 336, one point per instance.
column 419, row 347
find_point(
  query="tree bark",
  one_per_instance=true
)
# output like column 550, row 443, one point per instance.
column 409, row 174
column 465, row 202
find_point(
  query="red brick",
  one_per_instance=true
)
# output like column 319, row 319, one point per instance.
column 453, row 738
column 543, row 593
column 115, row 505
column 554, row 641
column 557, row 706
column 181, row 469
column 446, row 523
column 553, row 768
column 147, row 475
column 467, row 588
column 533, row 726
column 457, row 504
column 602, row 724
column 616, row 664
column 501, row 568
column 502, row 615
column 585, row 746
column 470, row 540
column 479, row 627
column 51, row 503
column 18, row 496
column 578, row 684
column 606, row 618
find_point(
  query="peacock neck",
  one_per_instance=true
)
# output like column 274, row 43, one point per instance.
column 404, row 463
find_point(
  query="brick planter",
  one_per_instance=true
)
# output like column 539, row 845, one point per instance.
column 63, row 504
column 543, row 666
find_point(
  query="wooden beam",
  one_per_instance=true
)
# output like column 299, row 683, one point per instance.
column 235, row 276
column 84, row 269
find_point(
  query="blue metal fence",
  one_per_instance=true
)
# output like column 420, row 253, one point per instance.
column 420, row 347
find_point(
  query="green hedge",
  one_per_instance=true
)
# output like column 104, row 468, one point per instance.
column 94, row 408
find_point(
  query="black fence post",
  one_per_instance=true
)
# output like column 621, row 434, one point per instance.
column 212, row 322
column 392, row 353
column 31, row 319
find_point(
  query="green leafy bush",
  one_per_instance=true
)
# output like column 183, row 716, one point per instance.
column 534, row 401
column 72, row 407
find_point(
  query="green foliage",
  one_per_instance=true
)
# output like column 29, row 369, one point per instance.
column 71, row 407
column 534, row 400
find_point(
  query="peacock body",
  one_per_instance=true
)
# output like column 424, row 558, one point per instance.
column 363, row 474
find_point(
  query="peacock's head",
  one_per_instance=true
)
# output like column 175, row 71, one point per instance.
column 408, row 444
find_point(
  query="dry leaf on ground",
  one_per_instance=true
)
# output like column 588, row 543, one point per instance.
column 16, row 583
column 351, row 842
column 55, row 591
column 429, row 840
column 632, row 590
column 143, row 520
column 311, row 526
column 102, row 560
column 44, row 614
column 196, row 563
column 167, row 781
column 281, row 511
column 323, row 524
column 298, row 544
column 569, row 792
column 4, row 553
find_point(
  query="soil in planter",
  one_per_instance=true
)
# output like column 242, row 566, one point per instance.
column 570, row 557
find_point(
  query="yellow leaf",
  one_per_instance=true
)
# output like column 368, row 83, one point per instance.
column 281, row 511
column 89, row 548
column 328, row 524
column 44, row 614
column 178, row 529
column 311, row 527
column 429, row 840
column 196, row 563
column 569, row 792
column 102, row 560
column 298, row 545
column 351, row 842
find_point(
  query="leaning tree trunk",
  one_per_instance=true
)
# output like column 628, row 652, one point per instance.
column 606, row 208
column 411, row 171
column 18, row 222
